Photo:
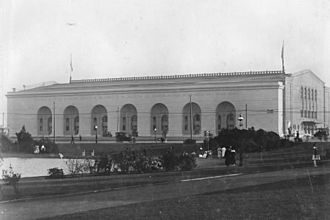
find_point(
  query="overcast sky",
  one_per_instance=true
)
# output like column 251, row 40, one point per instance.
column 158, row 37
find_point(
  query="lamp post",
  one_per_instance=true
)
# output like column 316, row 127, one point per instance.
column 240, row 119
column 95, row 128
column 155, row 131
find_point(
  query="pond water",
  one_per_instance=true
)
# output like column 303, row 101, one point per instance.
column 33, row 167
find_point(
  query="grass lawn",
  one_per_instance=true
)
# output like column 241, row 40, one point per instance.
column 305, row 198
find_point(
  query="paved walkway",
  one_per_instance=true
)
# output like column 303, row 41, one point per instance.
column 48, row 207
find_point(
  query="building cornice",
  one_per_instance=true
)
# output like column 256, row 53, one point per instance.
column 165, row 89
column 184, row 76
column 189, row 82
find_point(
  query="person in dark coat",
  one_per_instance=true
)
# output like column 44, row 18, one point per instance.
column 315, row 156
column 233, row 156
column 227, row 156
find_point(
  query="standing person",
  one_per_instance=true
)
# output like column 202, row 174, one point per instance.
column 227, row 156
column 315, row 156
column 233, row 157
column 240, row 154
column 72, row 139
column 219, row 152
column 223, row 151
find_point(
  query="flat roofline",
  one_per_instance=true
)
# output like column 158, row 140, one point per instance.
column 184, row 76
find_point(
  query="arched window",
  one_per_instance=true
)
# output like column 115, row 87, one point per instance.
column 44, row 121
column 105, row 125
column 76, row 125
column 67, row 124
column 99, row 119
column 124, row 123
column 194, row 111
column 186, row 123
column 159, row 119
column 164, row 123
column 154, row 123
column 71, row 120
column 230, row 121
column 41, row 125
column 227, row 112
column 197, row 124
column 129, row 119
column 219, row 123
column 49, row 127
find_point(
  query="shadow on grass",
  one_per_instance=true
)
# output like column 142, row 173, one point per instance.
column 289, row 199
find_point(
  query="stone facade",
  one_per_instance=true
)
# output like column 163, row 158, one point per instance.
column 171, row 106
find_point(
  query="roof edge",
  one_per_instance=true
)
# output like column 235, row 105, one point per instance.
column 209, row 75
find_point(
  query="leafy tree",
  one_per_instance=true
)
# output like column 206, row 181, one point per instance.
column 248, row 140
column 25, row 141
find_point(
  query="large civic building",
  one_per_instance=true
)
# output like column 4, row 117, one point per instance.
column 175, row 106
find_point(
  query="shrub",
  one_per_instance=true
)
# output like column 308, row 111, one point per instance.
column 103, row 164
column 5, row 143
column 250, row 140
column 170, row 161
column 79, row 166
column 10, row 177
column 187, row 162
column 321, row 134
column 55, row 173
column 25, row 141
column 183, row 162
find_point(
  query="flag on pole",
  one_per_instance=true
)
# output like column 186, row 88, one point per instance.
column 282, row 57
column 71, row 66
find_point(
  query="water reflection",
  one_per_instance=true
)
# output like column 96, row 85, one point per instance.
column 32, row 167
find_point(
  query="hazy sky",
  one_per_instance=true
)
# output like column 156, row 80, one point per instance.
column 158, row 37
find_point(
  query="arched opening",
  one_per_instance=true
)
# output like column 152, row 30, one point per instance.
column 128, row 119
column 159, row 120
column 99, row 120
column 194, row 111
column 71, row 120
column 225, row 116
column 44, row 121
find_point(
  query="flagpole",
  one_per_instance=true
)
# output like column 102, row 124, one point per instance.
column 71, row 68
column 282, row 57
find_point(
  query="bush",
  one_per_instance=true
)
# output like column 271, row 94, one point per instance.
column 79, row 166
column 250, row 140
column 187, row 162
column 183, row 162
column 25, row 141
column 170, row 161
column 10, row 177
column 55, row 173
column 5, row 144
column 321, row 134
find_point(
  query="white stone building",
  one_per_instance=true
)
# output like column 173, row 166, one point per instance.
column 176, row 106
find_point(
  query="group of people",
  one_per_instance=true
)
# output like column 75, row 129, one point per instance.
column 39, row 149
column 229, row 154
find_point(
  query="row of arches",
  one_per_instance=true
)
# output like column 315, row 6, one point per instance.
column 128, row 119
